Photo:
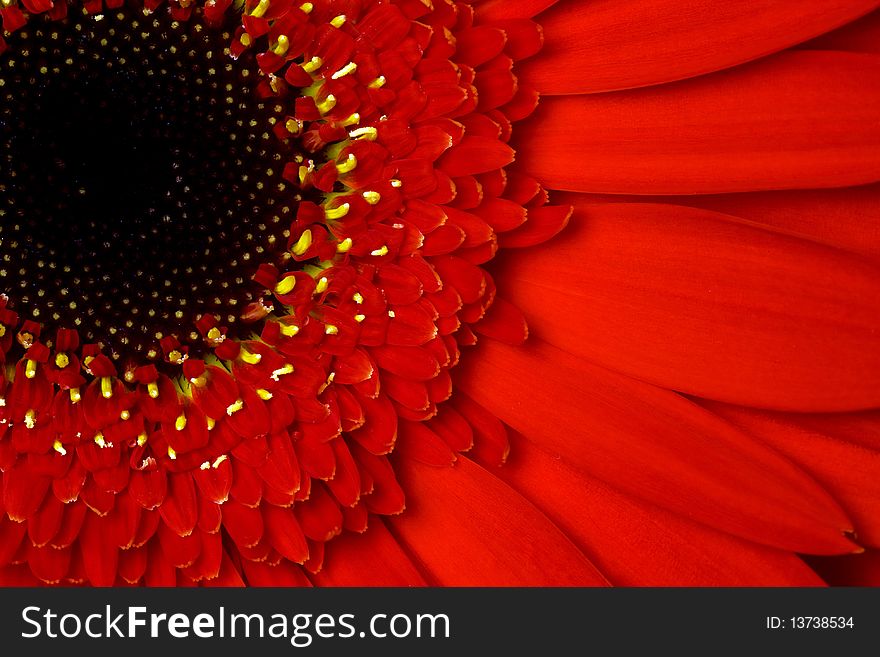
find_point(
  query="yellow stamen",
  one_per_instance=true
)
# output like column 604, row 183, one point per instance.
column 285, row 285
column 62, row 361
column 353, row 119
column 339, row 21
column 396, row 183
column 330, row 329
column 303, row 243
column 383, row 250
column 248, row 357
column 322, row 285
column 106, row 387
column 358, row 298
column 235, row 407
column 348, row 69
column 344, row 245
column 289, row 330
column 142, row 439
column 260, row 10
column 245, row 39
column 264, row 394
column 218, row 461
column 327, row 104
column 378, row 83
column 293, row 126
column 30, row 369
column 30, row 418
column 58, row 447
column 349, row 164
column 74, row 395
column 214, row 335
column 359, row 318
column 287, row 369
column 171, row 453
column 307, row 7
column 368, row 132
column 313, row 64
column 180, row 422
column 338, row 212
column 125, row 415
column 99, row 440
column 281, row 47
column 153, row 390
column 211, row 422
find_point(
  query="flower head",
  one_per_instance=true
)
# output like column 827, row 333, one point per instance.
column 244, row 248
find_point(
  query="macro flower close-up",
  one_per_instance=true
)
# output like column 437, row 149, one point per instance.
column 440, row 293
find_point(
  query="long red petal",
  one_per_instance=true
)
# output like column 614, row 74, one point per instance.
column 797, row 120
column 655, row 445
column 480, row 546
column 849, row 472
column 638, row 544
column 698, row 302
column 607, row 45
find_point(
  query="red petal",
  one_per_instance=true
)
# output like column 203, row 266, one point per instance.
column 373, row 558
column 284, row 533
column 475, row 155
column 244, row 524
column 797, row 120
column 695, row 301
column 23, row 491
column 180, row 508
column 491, row 535
column 502, row 9
column 601, row 46
column 100, row 556
column 638, row 544
column 848, row 471
column 655, row 445
column 846, row 218
column 504, row 322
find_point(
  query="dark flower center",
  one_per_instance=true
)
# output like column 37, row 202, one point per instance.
column 141, row 182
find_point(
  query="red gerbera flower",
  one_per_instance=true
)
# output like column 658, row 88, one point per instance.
column 245, row 249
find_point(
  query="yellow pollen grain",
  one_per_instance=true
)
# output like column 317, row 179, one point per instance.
column 235, row 407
